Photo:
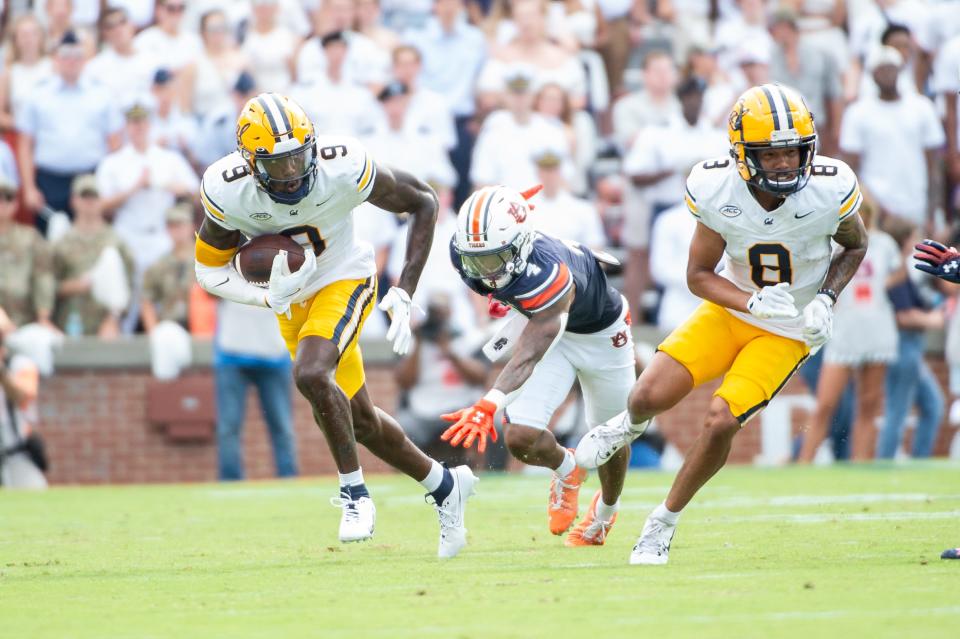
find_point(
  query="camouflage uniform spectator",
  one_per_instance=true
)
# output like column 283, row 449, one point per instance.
column 74, row 257
column 26, row 276
column 167, row 284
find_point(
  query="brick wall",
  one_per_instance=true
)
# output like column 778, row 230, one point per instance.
column 95, row 424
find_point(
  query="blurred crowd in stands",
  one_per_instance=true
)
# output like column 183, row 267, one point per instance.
column 111, row 110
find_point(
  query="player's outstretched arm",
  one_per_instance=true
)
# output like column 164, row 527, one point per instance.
column 215, row 247
column 400, row 192
column 540, row 335
column 852, row 237
column 706, row 251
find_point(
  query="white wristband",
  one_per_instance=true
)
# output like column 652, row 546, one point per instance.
column 497, row 398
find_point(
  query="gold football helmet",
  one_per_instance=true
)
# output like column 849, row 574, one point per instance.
column 277, row 140
column 772, row 116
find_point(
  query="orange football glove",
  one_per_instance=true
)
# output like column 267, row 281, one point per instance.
column 473, row 422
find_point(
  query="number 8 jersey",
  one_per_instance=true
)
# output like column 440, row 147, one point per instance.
column 322, row 221
column 789, row 244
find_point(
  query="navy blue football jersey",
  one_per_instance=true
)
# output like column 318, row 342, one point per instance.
column 552, row 269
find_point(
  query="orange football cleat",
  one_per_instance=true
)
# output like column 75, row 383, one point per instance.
column 562, row 509
column 590, row 531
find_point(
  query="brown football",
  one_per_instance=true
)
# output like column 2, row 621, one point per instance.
column 254, row 260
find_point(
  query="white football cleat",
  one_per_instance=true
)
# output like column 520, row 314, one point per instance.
column 653, row 546
column 357, row 518
column 453, row 532
column 603, row 441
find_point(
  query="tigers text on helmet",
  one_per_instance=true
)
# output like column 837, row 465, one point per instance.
column 772, row 116
column 493, row 239
column 277, row 140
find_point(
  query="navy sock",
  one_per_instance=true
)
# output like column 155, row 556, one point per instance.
column 355, row 492
column 445, row 488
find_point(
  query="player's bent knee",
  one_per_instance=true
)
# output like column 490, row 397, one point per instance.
column 312, row 377
column 521, row 439
column 720, row 423
column 644, row 401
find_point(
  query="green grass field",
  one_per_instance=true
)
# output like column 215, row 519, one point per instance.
column 842, row 552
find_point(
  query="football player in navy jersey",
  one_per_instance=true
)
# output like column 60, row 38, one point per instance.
column 569, row 324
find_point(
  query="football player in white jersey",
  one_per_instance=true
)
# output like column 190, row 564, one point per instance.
column 284, row 179
column 771, row 210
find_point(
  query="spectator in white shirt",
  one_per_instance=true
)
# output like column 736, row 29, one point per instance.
column 334, row 103
column 652, row 105
column 26, row 66
column 891, row 141
column 217, row 133
column 395, row 144
column 662, row 156
column 66, row 127
column 579, row 127
column 557, row 212
column 369, row 22
column 900, row 38
column 509, row 137
column 946, row 83
column 270, row 47
column 428, row 110
column 366, row 62
column 139, row 184
column 657, row 165
column 532, row 46
column 206, row 82
column 169, row 127
column 453, row 53
column 168, row 40
column 669, row 246
column 122, row 70
column 58, row 17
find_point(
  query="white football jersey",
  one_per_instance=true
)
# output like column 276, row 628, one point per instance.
column 322, row 221
column 789, row 244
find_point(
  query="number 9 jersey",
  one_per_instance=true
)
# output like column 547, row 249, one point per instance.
column 322, row 221
column 790, row 244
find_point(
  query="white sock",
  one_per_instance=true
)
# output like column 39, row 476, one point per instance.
column 665, row 515
column 567, row 465
column 351, row 479
column 432, row 481
column 605, row 512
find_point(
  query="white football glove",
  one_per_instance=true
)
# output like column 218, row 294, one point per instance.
column 772, row 302
column 818, row 321
column 286, row 286
column 397, row 304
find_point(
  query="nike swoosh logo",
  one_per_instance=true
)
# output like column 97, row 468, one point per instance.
column 800, row 217
column 325, row 201
column 221, row 283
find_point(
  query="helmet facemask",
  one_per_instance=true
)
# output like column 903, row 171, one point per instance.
column 287, row 175
column 780, row 181
column 497, row 268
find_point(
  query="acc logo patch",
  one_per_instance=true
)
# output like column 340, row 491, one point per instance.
column 260, row 216
column 729, row 210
